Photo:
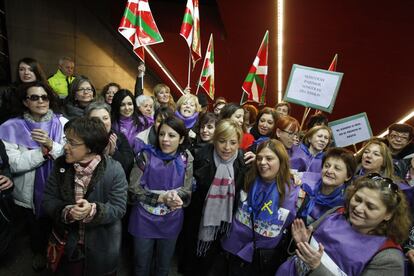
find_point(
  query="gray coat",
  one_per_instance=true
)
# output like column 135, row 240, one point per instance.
column 108, row 189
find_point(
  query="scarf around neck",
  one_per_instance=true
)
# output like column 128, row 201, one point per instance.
column 189, row 121
column 218, row 206
column 263, row 199
column 128, row 127
column 336, row 198
column 83, row 175
column 179, row 163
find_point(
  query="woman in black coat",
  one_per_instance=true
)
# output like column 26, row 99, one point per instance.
column 86, row 196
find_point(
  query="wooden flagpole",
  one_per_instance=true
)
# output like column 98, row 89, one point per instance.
column 305, row 115
column 189, row 69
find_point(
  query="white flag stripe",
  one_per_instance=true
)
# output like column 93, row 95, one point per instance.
column 143, row 6
column 261, row 70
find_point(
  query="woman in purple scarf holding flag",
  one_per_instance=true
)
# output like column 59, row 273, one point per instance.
column 361, row 239
column 267, row 201
column 126, row 117
column 33, row 140
column 188, row 109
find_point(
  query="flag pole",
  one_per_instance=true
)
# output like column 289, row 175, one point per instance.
column 305, row 115
column 189, row 69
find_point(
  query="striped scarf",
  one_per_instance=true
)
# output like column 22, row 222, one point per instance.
column 218, row 206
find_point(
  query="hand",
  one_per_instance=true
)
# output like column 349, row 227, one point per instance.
column 410, row 256
column 187, row 90
column 110, row 148
column 42, row 137
column 249, row 157
column 5, row 183
column 173, row 200
column 309, row 255
column 299, row 231
column 141, row 69
column 81, row 210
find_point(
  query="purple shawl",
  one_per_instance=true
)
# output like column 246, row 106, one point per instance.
column 18, row 131
column 189, row 121
column 128, row 127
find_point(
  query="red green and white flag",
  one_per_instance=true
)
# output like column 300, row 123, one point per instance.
column 190, row 29
column 207, row 73
column 138, row 26
column 254, row 85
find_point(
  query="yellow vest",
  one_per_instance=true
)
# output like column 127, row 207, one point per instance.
column 59, row 82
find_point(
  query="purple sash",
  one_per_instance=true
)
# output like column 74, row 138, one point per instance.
column 350, row 250
column 128, row 127
column 158, row 175
column 303, row 161
column 18, row 131
column 239, row 241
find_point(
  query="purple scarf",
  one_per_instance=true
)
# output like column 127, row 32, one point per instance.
column 18, row 131
column 189, row 121
column 128, row 127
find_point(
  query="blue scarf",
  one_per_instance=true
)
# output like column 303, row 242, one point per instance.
column 336, row 198
column 189, row 121
column 257, row 142
column 178, row 161
column 263, row 200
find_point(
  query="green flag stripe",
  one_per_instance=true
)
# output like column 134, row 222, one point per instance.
column 188, row 18
column 259, row 81
column 151, row 32
column 131, row 16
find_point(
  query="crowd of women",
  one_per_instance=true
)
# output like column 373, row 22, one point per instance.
column 235, row 191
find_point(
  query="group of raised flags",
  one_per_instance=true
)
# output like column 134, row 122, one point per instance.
column 139, row 28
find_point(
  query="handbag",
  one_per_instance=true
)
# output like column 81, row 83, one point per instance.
column 55, row 249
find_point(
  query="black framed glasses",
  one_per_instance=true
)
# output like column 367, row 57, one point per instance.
column 35, row 98
column 85, row 90
column 385, row 181
column 290, row 133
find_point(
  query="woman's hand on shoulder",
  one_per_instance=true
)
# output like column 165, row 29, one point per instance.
column 249, row 157
column 300, row 232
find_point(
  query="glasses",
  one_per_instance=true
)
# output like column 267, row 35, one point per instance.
column 290, row 133
column 399, row 137
column 385, row 182
column 35, row 98
column 85, row 90
column 71, row 143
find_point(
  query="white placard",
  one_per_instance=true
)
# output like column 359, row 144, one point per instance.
column 313, row 87
column 351, row 130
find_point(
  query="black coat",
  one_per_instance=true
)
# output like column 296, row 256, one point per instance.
column 204, row 171
column 108, row 190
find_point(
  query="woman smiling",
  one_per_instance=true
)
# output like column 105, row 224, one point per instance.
column 33, row 140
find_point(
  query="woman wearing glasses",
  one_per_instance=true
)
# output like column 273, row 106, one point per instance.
column 81, row 94
column 361, row 239
column 307, row 157
column 86, row 196
column 33, row 140
column 286, row 128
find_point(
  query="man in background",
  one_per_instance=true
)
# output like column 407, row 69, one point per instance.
column 64, row 76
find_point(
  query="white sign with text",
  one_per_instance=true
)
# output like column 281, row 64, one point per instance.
column 351, row 130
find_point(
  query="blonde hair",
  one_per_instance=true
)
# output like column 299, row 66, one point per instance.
column 312, row 132
column 227, row 128
column 157, row 89
column 188, row 97
column 387, row 168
